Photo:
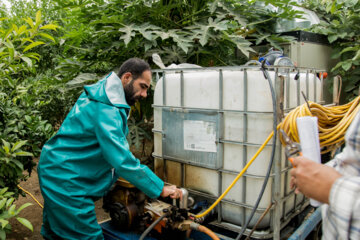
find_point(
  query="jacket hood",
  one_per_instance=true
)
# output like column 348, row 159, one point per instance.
column 109, row 91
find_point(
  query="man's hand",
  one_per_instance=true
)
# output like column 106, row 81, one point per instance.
column 314, row 180
column 171, row 191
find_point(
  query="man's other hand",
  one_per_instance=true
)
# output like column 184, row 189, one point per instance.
column 171, row 191
column 312, row 179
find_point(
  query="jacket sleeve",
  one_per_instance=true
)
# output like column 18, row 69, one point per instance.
column 115, row 149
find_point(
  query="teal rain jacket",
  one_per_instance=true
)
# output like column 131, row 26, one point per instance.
column 82, row 161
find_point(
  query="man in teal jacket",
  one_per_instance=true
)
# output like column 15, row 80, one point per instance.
column 90, row 151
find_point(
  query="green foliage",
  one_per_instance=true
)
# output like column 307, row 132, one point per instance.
column 99, row 35
column 20, row 108
column 139, row 131
column 8, row 210
column 15, row 43
column 341, row 23
column 12, row 158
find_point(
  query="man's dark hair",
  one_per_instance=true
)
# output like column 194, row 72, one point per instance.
column 135, row 66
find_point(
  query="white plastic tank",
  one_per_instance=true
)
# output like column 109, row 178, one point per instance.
column 206, row 112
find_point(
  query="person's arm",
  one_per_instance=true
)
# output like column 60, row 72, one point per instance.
column 115, row 149
column 314, row 180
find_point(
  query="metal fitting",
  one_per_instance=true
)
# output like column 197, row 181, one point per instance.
column 183, row 204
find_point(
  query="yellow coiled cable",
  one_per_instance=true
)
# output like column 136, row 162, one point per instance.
column 333, row 122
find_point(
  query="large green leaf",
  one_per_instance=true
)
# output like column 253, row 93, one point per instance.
column 243, row 45
column 24, row 154
column 11, row 49
column 6, row 146
column 26, row 223
column 148, row 31
column 9, row 202
column 203, row 31
column 38, row 18
column 213, row 5
column 29, row 21
column 12, row 210
column 2, row 203
column 181, row 40
column 349, row 49
column 346, row 65
column 238, row 17
column 32, row 45
column 2, row 191
column 50, row 26
column 45, row 35
column 33, row 55
column 18, row 145
column 27, row 118
column 24, row 206
column 18, row 164
column 351, row 3
column 357, row 56
column 129, row 32
column 332, row 38
column 27, row 60
column 4, row 223
column 21, row 30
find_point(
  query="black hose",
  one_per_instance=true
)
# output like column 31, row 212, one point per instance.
column 266, row 75
column 146, row 232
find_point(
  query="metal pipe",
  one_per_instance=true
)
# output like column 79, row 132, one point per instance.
column 245, row 134
column 279, row 93
column 235, row 68
column 183, row 203
column 220, row 146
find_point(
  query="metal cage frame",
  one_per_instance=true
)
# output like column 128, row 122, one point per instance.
column 282, row 85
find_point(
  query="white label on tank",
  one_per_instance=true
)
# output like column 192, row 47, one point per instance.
column 199, row 136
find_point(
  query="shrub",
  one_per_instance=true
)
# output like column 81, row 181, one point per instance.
column 8, row 210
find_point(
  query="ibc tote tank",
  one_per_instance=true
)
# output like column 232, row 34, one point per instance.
column 208, row 122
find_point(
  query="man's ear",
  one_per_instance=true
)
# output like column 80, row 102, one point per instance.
column 126, row 78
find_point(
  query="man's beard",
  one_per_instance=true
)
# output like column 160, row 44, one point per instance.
column 130, row 93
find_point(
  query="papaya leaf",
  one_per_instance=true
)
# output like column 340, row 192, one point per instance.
column 129, row 32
